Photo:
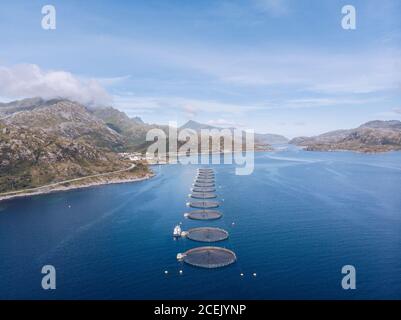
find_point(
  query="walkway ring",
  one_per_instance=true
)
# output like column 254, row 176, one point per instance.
column 209, row 257
column 203, row 185
column 204, row 204
column 203, row 195
column 204, row 180
column 207, row 234
column 203, row 189
column 203, row 215
column 204, row 177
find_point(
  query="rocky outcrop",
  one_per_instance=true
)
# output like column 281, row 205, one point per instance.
column 47, row 142
column 69, row 120
column 374, row 136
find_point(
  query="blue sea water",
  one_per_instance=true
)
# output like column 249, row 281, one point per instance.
column 298, row 218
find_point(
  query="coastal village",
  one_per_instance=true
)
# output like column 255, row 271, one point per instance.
column 139, row 157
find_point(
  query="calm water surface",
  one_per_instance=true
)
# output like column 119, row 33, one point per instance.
column 298, row 219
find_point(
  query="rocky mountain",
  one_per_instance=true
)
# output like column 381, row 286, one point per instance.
column 69, row 120
column 383, row 125
column 34, row 157
column 44, row 142
column 271, row 138
column 260, row 138
column 260, row 141
column 373, row 136
column 20, row 105
column 132, row 130
column 193, row 125
column 47, row 141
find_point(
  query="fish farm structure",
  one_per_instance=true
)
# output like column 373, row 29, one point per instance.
column 204, row 204
column 203, row 195
column 206, row 174
column 204, row 181
column 203, row 189
column 203, row 185
column 208, row 257
column 207, row 234
column 203, row 215
column 204, row 178
column 209, row 175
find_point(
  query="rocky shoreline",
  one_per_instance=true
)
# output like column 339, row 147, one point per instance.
column 357, row 149
column 371, row 137
column 68, row 187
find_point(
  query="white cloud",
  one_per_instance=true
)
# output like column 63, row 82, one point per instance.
column 362, row 72
column 133, row 104
column 312, row 69
column 388, row 115
column 28, row 80
column 397, row 110
column 190, row 111
column 273, row 7
column 225, row 123
column 309, row 70
column 321, row 102
column 113, row 80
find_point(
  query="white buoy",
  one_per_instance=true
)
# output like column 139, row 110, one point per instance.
column 165, row 272
column 241, row 274
column 180, row 271
column 254, row 274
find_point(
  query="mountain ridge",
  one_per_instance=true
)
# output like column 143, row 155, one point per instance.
column 42, row 142
column 372, row 136
column 262, row 138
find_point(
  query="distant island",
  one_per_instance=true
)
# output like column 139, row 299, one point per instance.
column 260, row 138
column 373, row 136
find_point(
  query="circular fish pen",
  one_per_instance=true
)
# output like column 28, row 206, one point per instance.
column 200, row 189
column 203, row 195
column 204, row 204
column 207, row 234
column 203, row 185
column 206, row 171
column 204, row 176
column 204, row 180
column 204, row 215
column 208, row 257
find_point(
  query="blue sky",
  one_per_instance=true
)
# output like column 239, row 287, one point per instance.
column 282, row 66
